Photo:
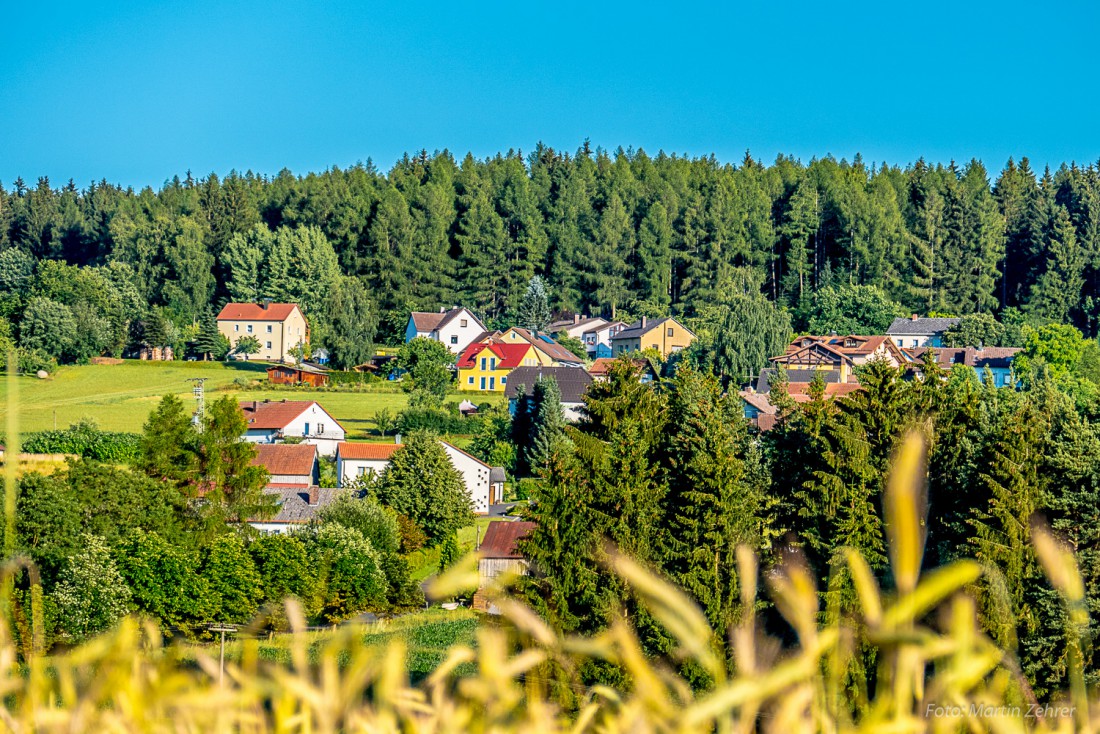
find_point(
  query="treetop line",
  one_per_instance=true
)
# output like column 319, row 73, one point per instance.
column 619, row 233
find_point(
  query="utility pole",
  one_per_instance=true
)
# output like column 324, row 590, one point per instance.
column 221, row 663
column 199, row 391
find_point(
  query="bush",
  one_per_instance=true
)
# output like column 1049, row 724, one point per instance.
column 436, row 420
column 87, row 440
column 524, row 488
column 33, row 360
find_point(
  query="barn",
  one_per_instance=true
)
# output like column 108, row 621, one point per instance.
column 285, row 374
column 499, row 554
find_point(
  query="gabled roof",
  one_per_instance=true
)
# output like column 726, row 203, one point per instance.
column 428, row 321
column 467, row 454
column 758, row 401
column 548, row 346
column 286, row 458
column 303, row 367
column 763, row 383
column 497, row 475
column 257, row 312
column 602, row 365
column 298, row 504
column 275, row 415
column 979, row 359
column 572, row 382
column 501, row 539
column 508, row 355
column 592, row 322
column 367, row 451
column 816, row 353
column 916, row 326
column 636, row 329
column 604, row 327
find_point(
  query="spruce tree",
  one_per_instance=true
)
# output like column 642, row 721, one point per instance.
column 548, row 431
column 534, row 310
column 208, row 343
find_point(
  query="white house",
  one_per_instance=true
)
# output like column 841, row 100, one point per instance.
column 475, row 472
column 597, row 339
column 272, row 421
column 457, row 328
column 354, row 460
column 357, row 460
column 914, row 332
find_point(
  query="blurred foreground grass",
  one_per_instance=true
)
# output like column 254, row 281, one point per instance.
column 937, row 671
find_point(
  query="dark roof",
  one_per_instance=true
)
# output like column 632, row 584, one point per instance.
column 286, row 458
column 763, row 385
column 501, row 537
column 572, row 381
column 256, row 311
column 979, row 359
column 920, row 326
column 298, row 504
column 497, row 475
column 429, row 321
column 637, row 329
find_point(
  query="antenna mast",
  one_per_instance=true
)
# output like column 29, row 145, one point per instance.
column 199, row 391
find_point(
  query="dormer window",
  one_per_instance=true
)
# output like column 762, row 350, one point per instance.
column 849, row 343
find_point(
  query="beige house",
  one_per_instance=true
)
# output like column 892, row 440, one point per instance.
column 279, row 327
column 666, row 335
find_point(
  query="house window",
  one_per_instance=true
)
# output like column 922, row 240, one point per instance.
column 492, row 363
column 360, row 471
column 670, row 331
column 503, row 380
column 483, row 362
column 269, row 328
column 463, row 323
column 454, row 339
column 482, row 383
column 320, row 428
column 269, row 345
column 236, row 327
column 492, row 383
column 250, row 328
column 470, row 380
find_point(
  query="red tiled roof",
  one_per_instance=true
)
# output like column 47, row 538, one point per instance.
column 286, row 458
column 367, row 451
column 267, row 415
column 800, row 391
column 256, row 312
column 510, row 355
column 602, row 365
column 501, row 537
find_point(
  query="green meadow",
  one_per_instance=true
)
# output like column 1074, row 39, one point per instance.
column 120, row 397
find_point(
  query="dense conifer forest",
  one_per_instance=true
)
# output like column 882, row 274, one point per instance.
column 619, row 233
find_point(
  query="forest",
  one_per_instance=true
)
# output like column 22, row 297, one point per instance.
column 620, row 233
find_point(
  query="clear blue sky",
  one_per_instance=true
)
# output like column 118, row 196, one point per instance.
column 139, row 91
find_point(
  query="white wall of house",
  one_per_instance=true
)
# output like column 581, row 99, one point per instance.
column 460, row 332
column 276, row 528
column 314, row 425
column 306, row 479
column 348, row 470
column 914, row 341
column 601, row 336
column 476, row 475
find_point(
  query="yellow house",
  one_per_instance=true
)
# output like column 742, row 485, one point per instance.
column 666, row 335
column 548, row 351
column 279, row 327
column 485, row 367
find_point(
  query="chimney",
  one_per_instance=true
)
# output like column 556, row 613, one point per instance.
column 644, row 320
column 576, row 318
column 442, row 310
column 255, row 405
column 913, row 317
column 266, row 303
column 397, row 439
column 314, row 496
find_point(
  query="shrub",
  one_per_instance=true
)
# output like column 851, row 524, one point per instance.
column 87, row 440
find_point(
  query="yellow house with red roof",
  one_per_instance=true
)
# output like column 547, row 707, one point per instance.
column 278, row 327
column 485, row 367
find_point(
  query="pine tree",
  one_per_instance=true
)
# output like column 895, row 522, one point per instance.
column 800, row 226
column 534, row 310
column 1059, row 286
column 209, row 341
column 548, row 432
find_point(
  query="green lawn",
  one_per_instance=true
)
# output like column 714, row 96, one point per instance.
column 120, row 397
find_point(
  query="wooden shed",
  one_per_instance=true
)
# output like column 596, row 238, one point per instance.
column 285, row 374
column 499, row 554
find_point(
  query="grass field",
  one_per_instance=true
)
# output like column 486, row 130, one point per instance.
column 427, row 636
column 120, row 397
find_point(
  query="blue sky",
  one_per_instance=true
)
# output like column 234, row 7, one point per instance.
column 137, row 92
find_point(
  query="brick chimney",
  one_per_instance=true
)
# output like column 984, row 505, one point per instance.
column 314, row 496
column 913, row 317
column 576, row 318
